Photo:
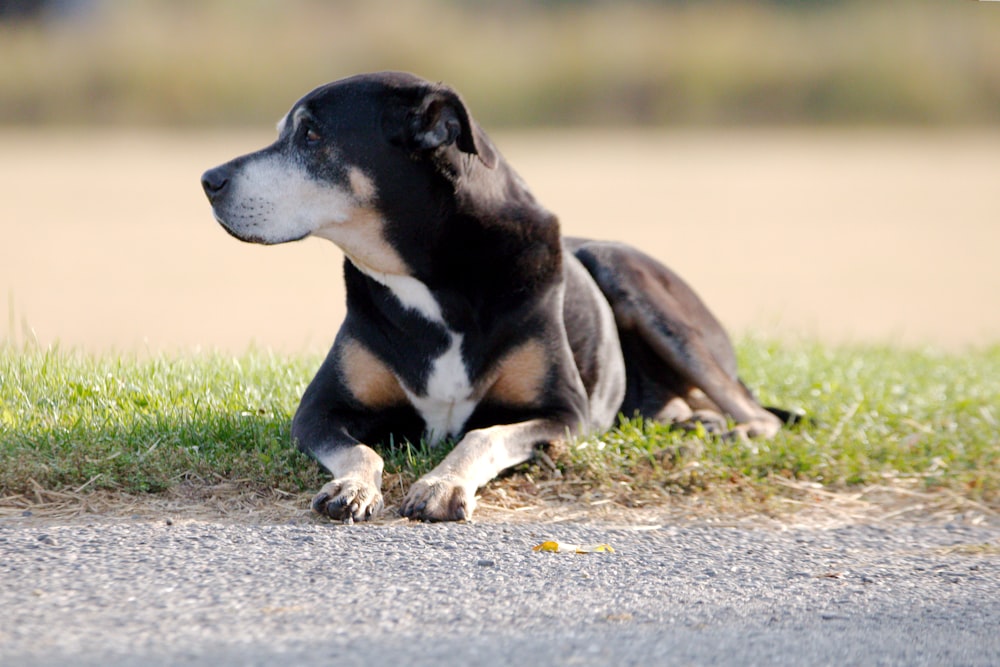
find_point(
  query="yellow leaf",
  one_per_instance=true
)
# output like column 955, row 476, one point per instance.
column 556, row 547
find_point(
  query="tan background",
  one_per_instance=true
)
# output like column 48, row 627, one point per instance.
column 107, row 243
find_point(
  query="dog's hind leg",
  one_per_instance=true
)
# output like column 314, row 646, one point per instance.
column 680, row 364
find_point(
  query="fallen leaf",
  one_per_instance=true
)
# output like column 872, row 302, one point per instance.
column 556, row 547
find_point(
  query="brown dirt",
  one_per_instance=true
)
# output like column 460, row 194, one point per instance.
column 108, row 243
column 802, row 504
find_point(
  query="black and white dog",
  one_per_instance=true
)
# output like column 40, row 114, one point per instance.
column 468, row 315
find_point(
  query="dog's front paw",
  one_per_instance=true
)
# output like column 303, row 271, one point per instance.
column 438, row 499
column 765, row 427
column 348, row 499
column 706, row 421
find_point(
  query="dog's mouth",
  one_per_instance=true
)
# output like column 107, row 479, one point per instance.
column 250, row 237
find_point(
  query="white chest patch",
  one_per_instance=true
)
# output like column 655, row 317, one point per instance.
column 410, row 292
column 449, row 399
column 448, row 402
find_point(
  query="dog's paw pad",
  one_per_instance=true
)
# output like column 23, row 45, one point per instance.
column 438, row 500
column 348, row 500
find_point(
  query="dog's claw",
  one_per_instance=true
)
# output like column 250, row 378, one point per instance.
column 348, row 500
column 438, row 500
column 319, row 502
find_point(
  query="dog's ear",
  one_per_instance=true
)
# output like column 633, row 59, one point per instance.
column 441, row 119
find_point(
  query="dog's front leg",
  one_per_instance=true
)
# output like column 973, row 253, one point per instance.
column 355, row 492
column 448, row 493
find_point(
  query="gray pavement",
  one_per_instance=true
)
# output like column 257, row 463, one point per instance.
column 141, row 592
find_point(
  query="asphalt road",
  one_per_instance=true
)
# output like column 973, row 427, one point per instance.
column 194, row 593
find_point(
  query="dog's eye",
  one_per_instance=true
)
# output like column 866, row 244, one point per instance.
column 311, row 136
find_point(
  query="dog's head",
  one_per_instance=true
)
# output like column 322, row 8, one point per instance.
column 353, row 159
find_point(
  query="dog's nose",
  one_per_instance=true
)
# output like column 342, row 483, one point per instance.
column 214, row 182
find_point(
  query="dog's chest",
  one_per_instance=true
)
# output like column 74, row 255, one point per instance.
column 449, row 398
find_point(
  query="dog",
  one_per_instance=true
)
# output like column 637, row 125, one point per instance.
column 469, row 317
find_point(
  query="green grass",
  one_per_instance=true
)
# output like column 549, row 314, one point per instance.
column 74, row 423
column 70, row 421
column 877, row 415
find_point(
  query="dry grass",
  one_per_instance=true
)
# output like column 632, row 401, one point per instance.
column 523, row 497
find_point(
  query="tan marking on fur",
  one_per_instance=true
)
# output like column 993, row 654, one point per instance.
column 368, row 378
column 520, row 375
column 361, row 185
column 676, row 410
column 697, row 399
column 363, row 240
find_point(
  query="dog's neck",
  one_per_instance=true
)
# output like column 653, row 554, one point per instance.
column 520, row 236
column 484, row 191
column 495, row 244
column 411, row 293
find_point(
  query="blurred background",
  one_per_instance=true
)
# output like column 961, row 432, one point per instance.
column 814, row 168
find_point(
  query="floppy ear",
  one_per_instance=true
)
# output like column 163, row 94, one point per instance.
column 441, row 119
